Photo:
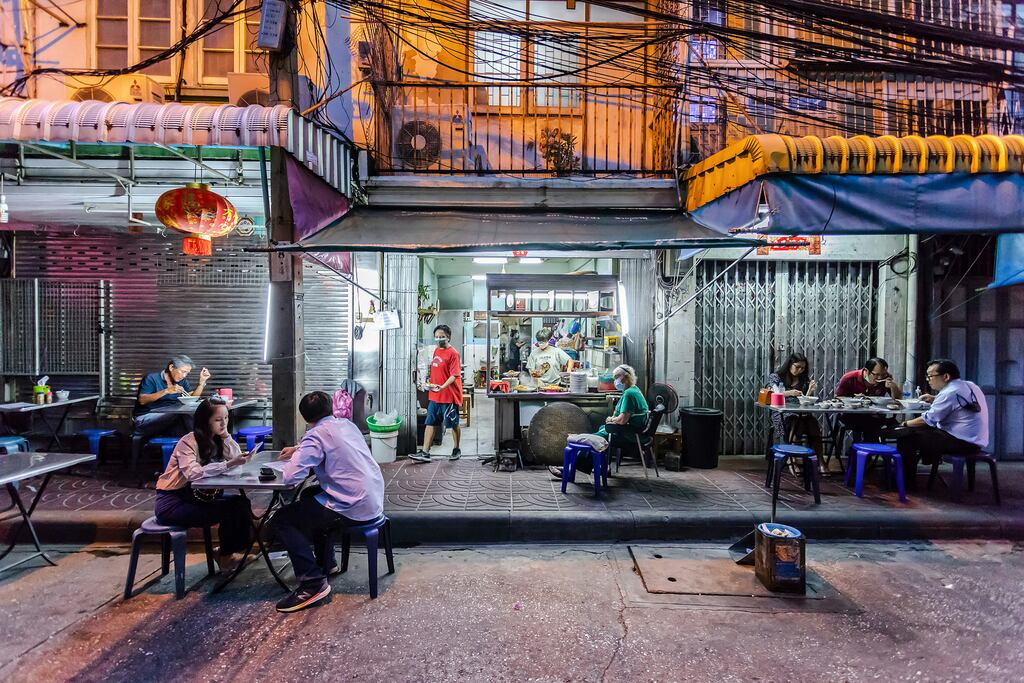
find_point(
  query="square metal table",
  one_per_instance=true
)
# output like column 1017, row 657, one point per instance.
column 16, row 467
column 9, row 408
column 182, row 409
column 831, row 418
column 243, row 479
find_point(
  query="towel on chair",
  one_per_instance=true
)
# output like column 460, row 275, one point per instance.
column 598, row 443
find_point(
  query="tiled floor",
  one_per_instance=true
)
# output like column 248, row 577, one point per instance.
column 737, row 485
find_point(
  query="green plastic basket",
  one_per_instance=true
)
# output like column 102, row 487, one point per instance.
column 386, row 428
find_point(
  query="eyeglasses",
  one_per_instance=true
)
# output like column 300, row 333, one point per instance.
column 932, row 375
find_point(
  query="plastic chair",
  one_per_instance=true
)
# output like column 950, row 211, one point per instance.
column 782, row 453
column 371, row 532
column 573, row 451
column 859, row 454
column 642, row 444
column 171, row 537
column 252, row 434
column 166, row 444
column 95, row 437
column 14, row 444
column 970, row 460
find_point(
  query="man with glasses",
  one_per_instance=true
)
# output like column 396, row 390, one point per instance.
column 956, row 423
column 871, row 380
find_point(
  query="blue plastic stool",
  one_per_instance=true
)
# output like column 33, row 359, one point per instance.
column 170, row 537
column 780, row 454
column 860, row 452
column 14, row 444
column 573, row 451
column 95, row 437
column 371, row 531
column 251, row 434
column 166, row 444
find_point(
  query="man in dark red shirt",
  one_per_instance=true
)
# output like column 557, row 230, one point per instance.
column 871, row 380
column 445, row 396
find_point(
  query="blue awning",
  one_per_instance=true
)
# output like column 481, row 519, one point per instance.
column 872, row 204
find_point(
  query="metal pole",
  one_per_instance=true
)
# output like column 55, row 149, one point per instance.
column 913, row 246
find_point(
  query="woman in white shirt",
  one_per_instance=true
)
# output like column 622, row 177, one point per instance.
column 206, row 451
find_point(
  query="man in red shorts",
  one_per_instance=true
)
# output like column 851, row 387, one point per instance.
column 445, row 387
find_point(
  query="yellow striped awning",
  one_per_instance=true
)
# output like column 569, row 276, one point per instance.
column 760, row 155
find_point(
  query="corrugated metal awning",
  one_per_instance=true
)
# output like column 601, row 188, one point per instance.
column 370, row 229
column 861, row 185
column 176, row 125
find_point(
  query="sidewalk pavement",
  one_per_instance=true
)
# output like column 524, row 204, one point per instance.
column 466, row 502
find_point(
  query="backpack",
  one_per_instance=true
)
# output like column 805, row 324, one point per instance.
column 342, row 404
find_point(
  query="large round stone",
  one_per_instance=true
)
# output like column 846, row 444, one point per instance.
column 550, row 427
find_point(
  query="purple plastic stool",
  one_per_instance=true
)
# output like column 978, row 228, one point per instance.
column 573, row 451
column 860, row 452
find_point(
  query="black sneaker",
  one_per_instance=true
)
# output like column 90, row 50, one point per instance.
column 301, row 598
column 456, row 454
column 555, row 472
column 422, row 456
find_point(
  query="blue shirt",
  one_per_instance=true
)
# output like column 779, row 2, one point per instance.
column 351, row 479
column 152, row 383
column 948, row 414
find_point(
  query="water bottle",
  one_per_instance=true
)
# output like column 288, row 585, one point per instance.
column 908, row 390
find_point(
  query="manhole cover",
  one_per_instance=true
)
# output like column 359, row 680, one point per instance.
column 707, row 571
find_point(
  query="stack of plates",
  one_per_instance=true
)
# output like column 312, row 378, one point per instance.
column 578, row 382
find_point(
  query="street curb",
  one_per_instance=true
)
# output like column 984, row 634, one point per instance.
column 493, row 526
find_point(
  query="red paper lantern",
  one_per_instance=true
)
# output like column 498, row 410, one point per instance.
column 198, row 212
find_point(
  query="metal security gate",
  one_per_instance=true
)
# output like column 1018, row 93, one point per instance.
column 757, row 313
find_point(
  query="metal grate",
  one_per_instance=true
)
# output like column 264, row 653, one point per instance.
column 327, row 327
column 50, row 327
column 734, row 337
column 759, row 312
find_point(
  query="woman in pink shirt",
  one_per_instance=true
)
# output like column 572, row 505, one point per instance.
column 203, row 452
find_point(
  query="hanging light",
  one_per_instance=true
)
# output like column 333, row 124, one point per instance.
column 198, row 212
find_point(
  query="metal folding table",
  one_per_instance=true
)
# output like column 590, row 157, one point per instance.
column 8, row 408
column 243, row 479
column 16, row 467
column 182, row 409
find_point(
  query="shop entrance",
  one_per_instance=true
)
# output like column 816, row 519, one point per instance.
column 452, row 291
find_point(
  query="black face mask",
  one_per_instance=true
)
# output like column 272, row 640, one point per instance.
column 442, row 343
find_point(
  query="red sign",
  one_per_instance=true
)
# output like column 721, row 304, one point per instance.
column 791, row 243
column 519, row 253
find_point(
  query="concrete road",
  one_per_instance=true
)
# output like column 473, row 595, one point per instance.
column 894, row 612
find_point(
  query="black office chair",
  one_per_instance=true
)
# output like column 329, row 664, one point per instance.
column 641, row 445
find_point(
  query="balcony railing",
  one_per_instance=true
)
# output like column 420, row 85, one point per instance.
column 523, row 129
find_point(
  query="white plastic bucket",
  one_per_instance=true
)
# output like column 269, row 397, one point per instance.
column 384, row 446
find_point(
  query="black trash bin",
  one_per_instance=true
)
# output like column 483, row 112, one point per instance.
column 702, row 430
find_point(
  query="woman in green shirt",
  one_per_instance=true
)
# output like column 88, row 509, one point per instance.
column 631, row 414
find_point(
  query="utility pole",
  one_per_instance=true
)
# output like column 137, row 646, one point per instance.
column 286, row 346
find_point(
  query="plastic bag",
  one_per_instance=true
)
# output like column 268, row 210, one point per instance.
column 382, row 419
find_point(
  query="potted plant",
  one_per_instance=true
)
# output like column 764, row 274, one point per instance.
column 559, row 151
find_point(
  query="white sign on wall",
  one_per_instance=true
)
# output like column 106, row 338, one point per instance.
column 273, row 18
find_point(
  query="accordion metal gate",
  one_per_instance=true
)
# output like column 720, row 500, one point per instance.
column 757, row 313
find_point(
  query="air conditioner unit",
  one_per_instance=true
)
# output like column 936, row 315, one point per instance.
column 126, row 88
column 435, row 137
column 245, row 89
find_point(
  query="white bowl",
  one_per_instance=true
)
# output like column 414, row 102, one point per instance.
column 882, row 400
column 190, row 400
column 807, row 400
column 851, row 400
column 912, row 403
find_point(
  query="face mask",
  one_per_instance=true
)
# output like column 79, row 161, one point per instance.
column 619, row 385
column 442, row 342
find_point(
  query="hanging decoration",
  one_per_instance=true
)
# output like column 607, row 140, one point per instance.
column 198, row 212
